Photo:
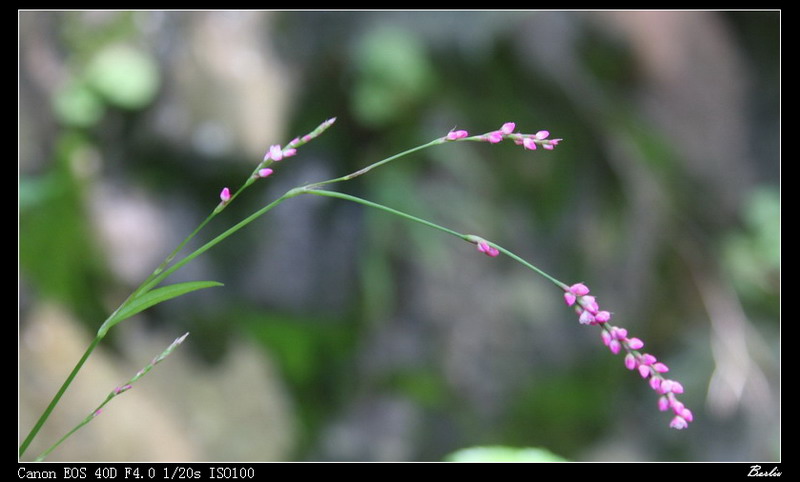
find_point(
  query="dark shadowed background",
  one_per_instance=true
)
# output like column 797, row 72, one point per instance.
column 348, row 334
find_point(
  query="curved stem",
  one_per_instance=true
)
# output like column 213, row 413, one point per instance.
column 465, row 237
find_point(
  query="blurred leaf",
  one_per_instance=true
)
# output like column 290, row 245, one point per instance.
column 503, row 454
column 125, row 76
column 393, row 74
column 77, row 105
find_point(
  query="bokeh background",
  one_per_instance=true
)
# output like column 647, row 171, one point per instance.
column 347, row 334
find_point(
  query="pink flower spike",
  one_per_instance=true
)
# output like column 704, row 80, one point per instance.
column 644, row 371
column 529, row 143
column 602, row 316
column 660, row 367
column 264, row 172
column 569, row 298
column 630, row 361
column 508, row 128
column 275, row 153
column 579, row 289
column 635, row 343
column 484, row 248
column 678, row 423
column 225, row 195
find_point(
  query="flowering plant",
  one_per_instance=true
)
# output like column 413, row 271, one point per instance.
column 149, row 293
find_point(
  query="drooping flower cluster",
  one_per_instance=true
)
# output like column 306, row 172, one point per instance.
column 616, row 339
column 276, row 153
column 506, row 131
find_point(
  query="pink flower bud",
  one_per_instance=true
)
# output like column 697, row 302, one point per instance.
column 602, row 316
column 542, row 135
column 655, row 383
column 266, row 172
column 289, row 152
column 666, row 386
column 677, row 387
column 660, row 367
column 677, row 406
column 678, row 423
column 630, row 361
column 275, row 153
column 569, row 298
column 619, row 333
column 579, row 289
column 225, row 194
column 644, row 371
column 484, row 248
column 635, row 343
column 663, row 404
column 614, row 346
column 507, row 128
column 606, row 336
column 687, row 414
column 590, row 304
column 586, row 318
column 454, row 135
column 494, row 137
column 529, row 144
column 647, row 359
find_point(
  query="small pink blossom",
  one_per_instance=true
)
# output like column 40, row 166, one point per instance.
column 529, row 143
column 615, row 346
column 508, row 128
column 678, row 423
column 266, row 172
column 494, row 137
column 225, row 195
column 579, row 289
column 289, row 152
column 630, row 361
column 660, row 367
column 275, row 152
column 602, row 316
column 455, row 135
column 586, row 318
column 655, row 383
column 647, row 359
column 488, row 250
column 569, row 298
column 635, row 343
column 644, row 371
column 606, row 336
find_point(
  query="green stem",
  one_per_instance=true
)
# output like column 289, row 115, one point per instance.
column 465, row 237
column 57, row 398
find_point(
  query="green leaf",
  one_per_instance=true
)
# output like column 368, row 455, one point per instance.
column 151, row 298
